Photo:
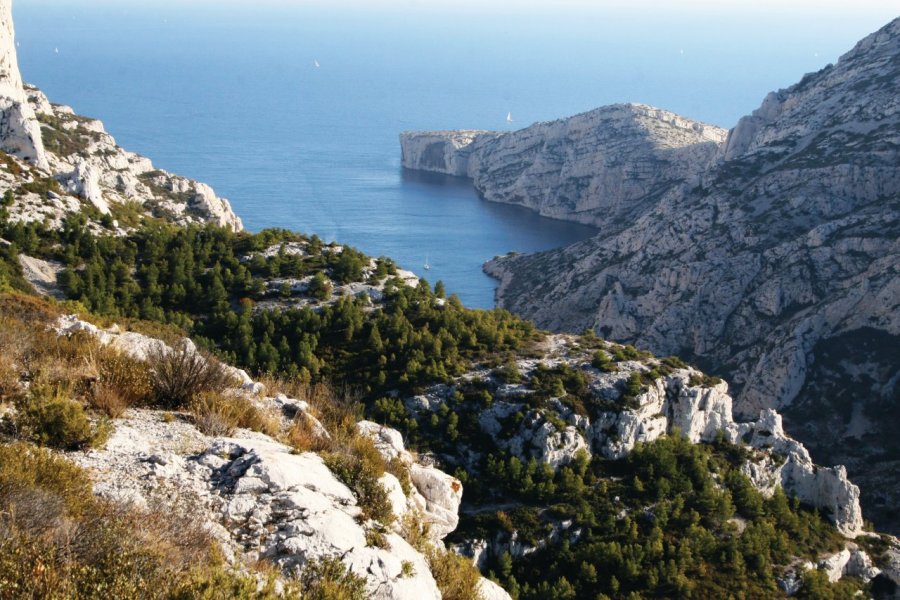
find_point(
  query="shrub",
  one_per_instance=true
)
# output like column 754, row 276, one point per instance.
column 107, row 400
column 456, row 576
column 49, row 418
column 304, row 437
column 329, row 579
column 127, row 377
column 601, row 360
column 360, row 466
column 9, row 380
column 24, row 468
column 181, row 374
column 216, row 414
column 508, row 372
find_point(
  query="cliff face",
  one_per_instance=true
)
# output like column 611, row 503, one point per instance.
column 777, row 269
column 20, row 132
column 604, row 167
column 677, row 399
column 80, row 164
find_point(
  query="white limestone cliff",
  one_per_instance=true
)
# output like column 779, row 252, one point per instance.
column 600, row 167
column 681, row 400
column 20, row 132
column 435, row 496
column 86, row 161
column 776, row 268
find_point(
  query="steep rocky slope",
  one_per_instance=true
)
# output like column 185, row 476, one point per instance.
column 605, row 167
column 778, row 269
column 71, row 162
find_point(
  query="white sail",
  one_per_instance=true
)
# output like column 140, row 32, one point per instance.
column 509, row 117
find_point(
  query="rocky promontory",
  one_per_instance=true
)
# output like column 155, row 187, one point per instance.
column 605, row 167
column 70, row 161
column 776, row 268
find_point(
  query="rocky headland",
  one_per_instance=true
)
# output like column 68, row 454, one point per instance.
column 179, row 369
column 769, row 260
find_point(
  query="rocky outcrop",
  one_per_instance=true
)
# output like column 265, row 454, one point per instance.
column 604, row 167
column 85, row 160
column 674, row 400
column 262, row 500
column 435, row 496
column 445, row 152
column 20, row 133
column 776, row 268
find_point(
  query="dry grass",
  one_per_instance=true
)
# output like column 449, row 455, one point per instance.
column 180, row 375
column 59, row 541
column 456, row 576
column 129, row 378
column 303, row 436
column 218, row 414
column 107, row 399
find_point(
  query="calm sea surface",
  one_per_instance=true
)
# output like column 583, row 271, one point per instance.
column 230, row 94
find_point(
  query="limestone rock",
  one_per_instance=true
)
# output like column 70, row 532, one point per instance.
column 42, row 275
column 20, row 132
column 599, row 167
column 491, row 591
column 84, row 181
column 436, row 495
column 261, row 499
column 775, row 266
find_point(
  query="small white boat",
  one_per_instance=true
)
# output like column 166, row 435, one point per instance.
column 316, row 63
column 56, row 50
column 509, row 117
column 426, row 266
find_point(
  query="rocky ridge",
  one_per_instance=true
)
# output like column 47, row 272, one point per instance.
column 670, row 400
column 260, row 498
column 605, row 167
column 69, row 162
column 777, row 269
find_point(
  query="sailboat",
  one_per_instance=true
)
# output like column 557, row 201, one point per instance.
column 509, row 117
column 316, row 63
column 426, row 266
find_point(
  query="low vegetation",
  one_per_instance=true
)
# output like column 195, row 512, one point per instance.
column 674, row 519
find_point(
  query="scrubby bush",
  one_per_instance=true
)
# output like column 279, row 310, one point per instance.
column 48, row 417
column 359, row 466
column 181, row 374
column 125, row 376
column 455, row 575
column 329, row 579
column 303, row 436
column 107, row 399
column 217, row 414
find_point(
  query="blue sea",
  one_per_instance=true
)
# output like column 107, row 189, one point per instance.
column 230, row 93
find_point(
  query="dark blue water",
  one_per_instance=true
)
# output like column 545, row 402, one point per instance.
column 228, row 93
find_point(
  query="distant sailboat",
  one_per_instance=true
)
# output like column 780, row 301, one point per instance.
column 426, row 266
column 316, row 63
column 56, row 50
column 509, row 117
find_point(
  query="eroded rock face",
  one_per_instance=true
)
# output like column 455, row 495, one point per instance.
column 84, row 159
column 678, row 400
column 20, row 132
column 435, row 495
column 261, row 500
column 599, row 167
column 763, row 270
